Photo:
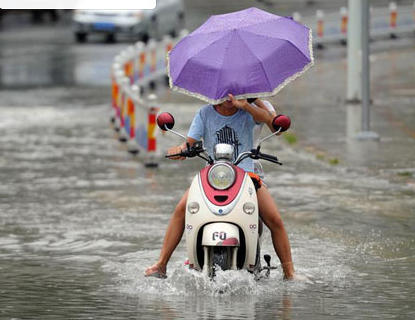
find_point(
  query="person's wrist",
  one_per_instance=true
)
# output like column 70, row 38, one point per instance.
column 245, row 106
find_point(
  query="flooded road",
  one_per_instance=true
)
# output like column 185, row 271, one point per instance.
column 80, row 219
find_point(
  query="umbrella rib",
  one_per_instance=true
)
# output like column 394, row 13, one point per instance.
column 198, row 34
column 259, row 60
column 220, row 69
column 246, row 16
column 262, row 35
column 249, row 26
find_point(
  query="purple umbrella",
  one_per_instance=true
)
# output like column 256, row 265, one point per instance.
column 248, row 53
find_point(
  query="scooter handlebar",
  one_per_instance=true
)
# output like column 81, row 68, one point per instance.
column 256, row 154
column 185, row 153
column 193, row 151
column 269, row 157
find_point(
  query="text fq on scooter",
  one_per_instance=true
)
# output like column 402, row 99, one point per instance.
column 222, row 221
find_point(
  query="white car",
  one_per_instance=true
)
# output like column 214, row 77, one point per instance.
column 166, row 18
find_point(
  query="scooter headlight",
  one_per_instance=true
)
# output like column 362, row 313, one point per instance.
column 221, row 176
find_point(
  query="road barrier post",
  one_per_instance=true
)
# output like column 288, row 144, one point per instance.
column 118, row 78
column 320, row 27
column 151, row 131
column 122, row 134
column 132, row 143
column 393, row 8
column 344, row 21
column 141, row 60
column 114, row 92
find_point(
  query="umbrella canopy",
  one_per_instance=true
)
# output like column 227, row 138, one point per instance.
column 249, row 53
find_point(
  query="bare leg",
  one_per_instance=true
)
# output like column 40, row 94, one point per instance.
column 172, row 238
column 269, row 213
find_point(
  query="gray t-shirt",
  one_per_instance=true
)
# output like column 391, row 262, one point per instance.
column 215, row 128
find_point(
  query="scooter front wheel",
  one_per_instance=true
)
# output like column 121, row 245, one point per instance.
column 220, row 258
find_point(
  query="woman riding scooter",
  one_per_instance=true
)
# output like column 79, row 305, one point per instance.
column 229, row 122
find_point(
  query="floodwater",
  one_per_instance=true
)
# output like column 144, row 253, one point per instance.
column 80, row 218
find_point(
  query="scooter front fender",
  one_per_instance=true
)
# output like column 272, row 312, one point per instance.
column 220, row 234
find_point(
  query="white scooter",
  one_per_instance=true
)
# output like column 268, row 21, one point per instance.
column 222, row 223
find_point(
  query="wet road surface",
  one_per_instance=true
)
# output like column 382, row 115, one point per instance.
column 80, row 218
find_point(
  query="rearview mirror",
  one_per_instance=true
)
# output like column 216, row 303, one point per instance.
column 165, row 120
column 282, row 122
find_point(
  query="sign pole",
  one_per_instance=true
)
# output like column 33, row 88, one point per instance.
column 365, row 133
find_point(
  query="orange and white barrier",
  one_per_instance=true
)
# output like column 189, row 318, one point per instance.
column 123, row 135
column 141, row 65
column 393, row 8
column 344, row 20
column 117, row 75
column 134, row 117
column 114, row 97
column 151, row 137
column 320, row 23
column 152, row 130
column 320, row 27
column 132, row 143
column 153, row 56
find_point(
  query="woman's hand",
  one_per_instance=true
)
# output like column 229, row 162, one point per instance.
column 240, row 104
column 259, row 115
column 179, row 149
column 176, row 150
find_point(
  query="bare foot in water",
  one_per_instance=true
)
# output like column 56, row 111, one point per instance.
column 157, row 270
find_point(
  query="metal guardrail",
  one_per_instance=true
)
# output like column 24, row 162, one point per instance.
column 138, row 66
